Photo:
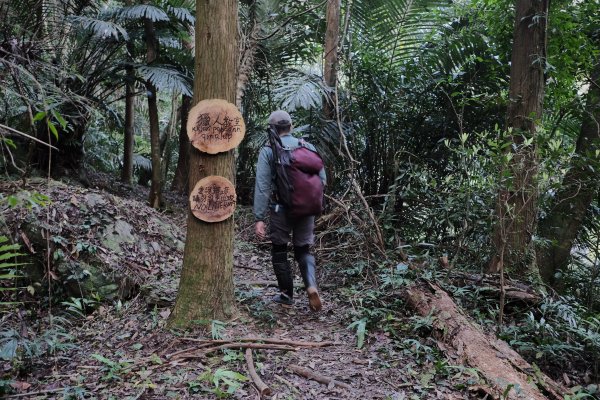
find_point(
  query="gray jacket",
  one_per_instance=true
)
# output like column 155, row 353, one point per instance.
column 265, row 181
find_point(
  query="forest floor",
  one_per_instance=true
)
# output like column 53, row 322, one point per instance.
column 123, row 350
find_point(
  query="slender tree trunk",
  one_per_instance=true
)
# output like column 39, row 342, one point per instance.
column 129, row 133
column 517, row 201
column 332, row 38
column 169, row 134
column 579, row 186
column 155, row 197
column 180, row 180
column 206, row 285
column 129, row 139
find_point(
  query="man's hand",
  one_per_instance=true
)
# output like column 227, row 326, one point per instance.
column 260, row 230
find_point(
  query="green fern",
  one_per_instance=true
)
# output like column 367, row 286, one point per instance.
column 8, row 267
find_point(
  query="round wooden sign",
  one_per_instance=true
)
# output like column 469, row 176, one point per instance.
column 213, row 199
column 215, row 126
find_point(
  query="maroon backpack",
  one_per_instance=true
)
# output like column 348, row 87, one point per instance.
column 298, row 185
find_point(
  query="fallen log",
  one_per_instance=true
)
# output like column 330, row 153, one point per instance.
column 503, row 369
column 307, row 373
column 491, row 284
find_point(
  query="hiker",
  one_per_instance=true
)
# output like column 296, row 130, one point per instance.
column 283, row 220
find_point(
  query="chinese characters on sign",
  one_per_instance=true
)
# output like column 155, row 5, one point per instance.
column 213, row 199
column 215, row 126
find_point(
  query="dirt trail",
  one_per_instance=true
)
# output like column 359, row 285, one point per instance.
column 124, row 351
column 128, row 354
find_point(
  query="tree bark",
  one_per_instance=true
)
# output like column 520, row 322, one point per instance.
column 155, row 197
column 129, row 133
column 496, row 362
column 180, row 179
column 206, row 285
column 332, row 38
column 579, row 186
column 517, row 201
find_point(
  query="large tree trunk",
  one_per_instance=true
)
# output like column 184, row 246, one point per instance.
column 579, row 186
column 495, row 361
column 332, row 38
column 155, row 197
column 206, row 285
column 517, row 201
column 180, row 180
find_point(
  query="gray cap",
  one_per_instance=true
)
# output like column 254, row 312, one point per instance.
column 280, row 118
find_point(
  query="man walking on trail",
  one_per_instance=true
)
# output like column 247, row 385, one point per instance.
column 283, row 220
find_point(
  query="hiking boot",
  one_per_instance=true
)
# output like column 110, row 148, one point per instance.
column 314, row 301
column 283, row 299
column 306, row 263
column 285, row 280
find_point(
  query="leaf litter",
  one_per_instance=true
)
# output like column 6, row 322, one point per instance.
column 122, row 349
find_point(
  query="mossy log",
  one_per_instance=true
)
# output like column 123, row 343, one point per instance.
column 502, row 368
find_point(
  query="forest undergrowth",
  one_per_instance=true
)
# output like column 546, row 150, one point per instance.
column 366, row 343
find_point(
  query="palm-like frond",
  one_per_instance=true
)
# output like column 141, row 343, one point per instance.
column 398, row 27
column 144, row 11
column 299, row 90
column 99, row 28
column 182, row 14
column 165, row 78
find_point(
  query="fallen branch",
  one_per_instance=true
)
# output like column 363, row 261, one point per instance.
column 489, row 283
column 39, row 393
column 257, row 283
column 202, row 352
column 307, row 373
column 262, row 340
column 248, row 267
column 288, row 384
column 501, row 367
column 263, row 389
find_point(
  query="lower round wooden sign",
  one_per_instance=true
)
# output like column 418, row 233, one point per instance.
column 213, row 199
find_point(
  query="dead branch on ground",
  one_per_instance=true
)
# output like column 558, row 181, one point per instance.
column 263, row 389
column 307, row 373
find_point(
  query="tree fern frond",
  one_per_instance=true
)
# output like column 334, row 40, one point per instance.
column 299, row 90
column 165, row 78
column 99, row 28
column 182, row 14
column 398, row 27
column 142, row 162
column 144, row 11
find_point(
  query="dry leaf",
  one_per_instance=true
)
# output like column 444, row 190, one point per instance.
column 27, row 242
column 20, row 385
